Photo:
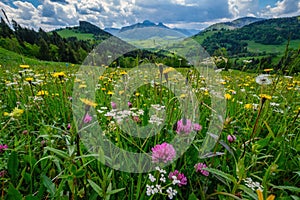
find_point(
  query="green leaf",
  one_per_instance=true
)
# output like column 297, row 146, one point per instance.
column 49, row 185
column 13, row 193
column 13, row 165
column 248, row 191
column 290, row 188
column 115, row 191
column 271, row 133
column 58, row 152
column 228, row 177
column 96, row 187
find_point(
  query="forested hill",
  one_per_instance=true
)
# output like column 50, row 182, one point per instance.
column 49, row 46
column 267, row 32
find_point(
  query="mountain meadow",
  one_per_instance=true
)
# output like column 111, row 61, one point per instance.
column 72, row 114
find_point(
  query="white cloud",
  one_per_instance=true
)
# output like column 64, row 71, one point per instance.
column 241, row 8
column 282, row 8
column 51, row 14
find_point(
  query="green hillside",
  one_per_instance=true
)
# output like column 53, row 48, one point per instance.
column 11, row 59
column 67, row 33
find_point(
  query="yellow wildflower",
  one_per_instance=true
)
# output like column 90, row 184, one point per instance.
column 24, row 66
column 123, row 73
column 82, row 86
column 265, row 96
column 58, row 74
column 29, row 79
column 261, row 197
column 42, row 93
column 169, row 69
column 248, row 106
column 182, row 96
column 15, row 113
column 88, row 102
column 227, row 96
column 110, row 93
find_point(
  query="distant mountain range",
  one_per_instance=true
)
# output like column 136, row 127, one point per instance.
column 238, row 23
column 126, row 32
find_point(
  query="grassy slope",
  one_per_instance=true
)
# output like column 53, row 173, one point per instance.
column 66, row 33
column 12, row 59
column 257, row 47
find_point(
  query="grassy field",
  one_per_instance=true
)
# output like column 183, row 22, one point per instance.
column 259, row 48
column 241, row 133
column 66, row 33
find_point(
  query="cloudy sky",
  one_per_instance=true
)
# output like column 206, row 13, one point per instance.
column 52, row 14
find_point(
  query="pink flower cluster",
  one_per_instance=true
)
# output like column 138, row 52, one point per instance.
column 163, row 153
column 180, row 177
column 200, row 168
column 185, row 126
column 3, row 147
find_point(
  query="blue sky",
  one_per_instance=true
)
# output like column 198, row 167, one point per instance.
column 197, row 14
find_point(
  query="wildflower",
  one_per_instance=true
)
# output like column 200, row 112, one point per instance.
column 169, row 69
column 227, row 96
column 29, row 79
column 87, row 118
column 184, row 126
column 15, row 113
column 200, row 168
column 152, row 178
column 24, row 66
column 110, row 93
column 88, row 102
column 113, row 105
column 58, row 74
column 265, row 96
column 182, row 96
column 263, row 79
column 82, row 86
column 231, row 138
column 163, row 153
column 260, row 195
column 253, row 185
column 248, row 106
column 129, row 104
column 68, row 126
column 178, row 178
column 197, row 127
column 123, row 73
column 42, row 93
column 3, row 147
column 171, row 192
column 162, row 171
